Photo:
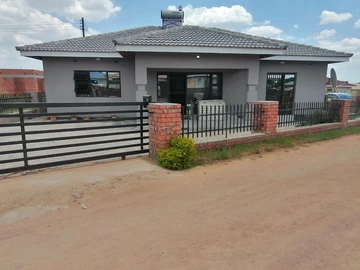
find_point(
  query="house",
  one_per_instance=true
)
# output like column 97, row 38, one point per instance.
column 341, row 86
column 20, row 81
column 356, row 91
column 175, row 62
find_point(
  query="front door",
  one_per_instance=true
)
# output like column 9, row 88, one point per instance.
column 177, row 89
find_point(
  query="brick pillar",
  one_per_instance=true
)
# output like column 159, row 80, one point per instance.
column 266, row 115
column 164, row 125
column 343, row 109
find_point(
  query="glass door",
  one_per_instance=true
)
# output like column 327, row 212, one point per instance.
column 281, row 87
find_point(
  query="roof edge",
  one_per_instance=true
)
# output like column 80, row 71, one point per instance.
column 37, row 54
column 328, row 59
column 198, row 49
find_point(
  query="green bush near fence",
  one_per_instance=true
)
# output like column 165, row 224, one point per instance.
column 179, row 156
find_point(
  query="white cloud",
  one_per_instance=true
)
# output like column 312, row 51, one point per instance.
column 216, row 15
column 266, row 22
column 234, row 18
column 345, row 45
column 296, row 26
column 325, row 34
column 327, row 17
column 264, row 31
column 91, row 10
column 357, row 24
column 348, row 71
column 22, row 23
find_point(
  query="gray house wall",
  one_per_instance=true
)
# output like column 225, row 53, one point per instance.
column 238, row 73
column 59, row 79
column 145, row 61
column 147, row 65
column 234, row 84
column 310, row 78
column 235, row 87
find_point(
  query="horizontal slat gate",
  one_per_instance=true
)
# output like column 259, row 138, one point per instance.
column 31, row 138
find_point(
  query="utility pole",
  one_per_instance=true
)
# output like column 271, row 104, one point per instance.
column 82, row 26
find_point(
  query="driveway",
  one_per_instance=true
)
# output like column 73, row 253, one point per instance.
column 290, row 209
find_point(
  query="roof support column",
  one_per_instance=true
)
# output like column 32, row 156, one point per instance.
column 253, row 79
column 141, row 91
column 252, row 94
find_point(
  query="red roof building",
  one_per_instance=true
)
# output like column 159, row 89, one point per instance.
column 18, row 81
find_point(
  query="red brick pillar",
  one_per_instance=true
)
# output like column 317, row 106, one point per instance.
column 266, row 116
column 164, row 125
column 343, row 108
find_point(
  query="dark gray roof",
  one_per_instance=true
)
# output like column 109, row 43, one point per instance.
column 96, row 43
column 294, row 49
column 199, row 36
column 179, row 36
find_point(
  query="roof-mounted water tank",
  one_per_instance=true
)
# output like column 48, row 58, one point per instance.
column 172, row 18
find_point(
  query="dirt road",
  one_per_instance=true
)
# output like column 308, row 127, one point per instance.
column 293, row 209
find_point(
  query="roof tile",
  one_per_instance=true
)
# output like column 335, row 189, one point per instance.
column 179, row 36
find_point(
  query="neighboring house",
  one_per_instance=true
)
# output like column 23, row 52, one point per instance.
column 341, row 86
column 356, row 90
column 173, row 64
column 18, row 81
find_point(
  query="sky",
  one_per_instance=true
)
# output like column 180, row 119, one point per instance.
column 330, row 24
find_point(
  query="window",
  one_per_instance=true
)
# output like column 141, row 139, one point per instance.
column 281, row 87
column 163, row 87
column 216, row 86
column 97, row 83
column 186, row 87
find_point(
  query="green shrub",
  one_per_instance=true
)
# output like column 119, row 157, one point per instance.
column 179, row 156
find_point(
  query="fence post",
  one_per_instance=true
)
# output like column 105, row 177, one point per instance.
column 266, row 116
column 23, row 136
column 164, row 125
column 343, row 106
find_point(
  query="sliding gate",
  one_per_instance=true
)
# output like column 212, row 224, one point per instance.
column 40, row 135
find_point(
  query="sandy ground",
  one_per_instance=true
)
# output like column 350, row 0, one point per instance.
column 291, row 209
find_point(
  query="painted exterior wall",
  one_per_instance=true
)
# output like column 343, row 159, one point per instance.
column 59, row 78
column 147, row 65
column 235, row 87
column 234, row 84
column 310, row 84
column 238, row 73
column 188, row 62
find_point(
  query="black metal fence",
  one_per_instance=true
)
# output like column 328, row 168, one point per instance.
column 220, row 120
column 70, row 133
column 307, row 114
column 354, row 110
column 11, row 98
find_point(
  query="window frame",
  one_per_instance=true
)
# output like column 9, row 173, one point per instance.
column 283, row 75
column 219, row 82
column 107, row 82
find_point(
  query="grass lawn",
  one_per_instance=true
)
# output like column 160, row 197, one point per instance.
column 268, row 145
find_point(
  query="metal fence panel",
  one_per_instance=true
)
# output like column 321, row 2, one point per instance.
column 354, row 110
column 29, row 139
column 307, row 114
column 216, row 120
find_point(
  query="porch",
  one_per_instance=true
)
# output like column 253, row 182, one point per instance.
column 190, row 86
column 181, row 78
